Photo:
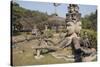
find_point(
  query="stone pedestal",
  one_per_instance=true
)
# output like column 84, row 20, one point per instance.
column 65, row 54
column 38, row 56
column 89, row 58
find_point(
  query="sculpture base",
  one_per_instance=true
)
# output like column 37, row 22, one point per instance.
column 89, row 58
column 65, row 57
column 65, row 54
column 39, row 57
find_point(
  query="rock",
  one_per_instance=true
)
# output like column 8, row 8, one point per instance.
column 89, row 58
column 39, row 57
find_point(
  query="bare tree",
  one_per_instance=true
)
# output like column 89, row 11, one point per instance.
column 56, row 5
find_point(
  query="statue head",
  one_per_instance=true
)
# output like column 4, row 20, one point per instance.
column 73, row 20
column 73, row 27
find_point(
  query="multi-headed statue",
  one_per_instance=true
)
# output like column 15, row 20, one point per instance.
column 72, row 37
column 73, row 23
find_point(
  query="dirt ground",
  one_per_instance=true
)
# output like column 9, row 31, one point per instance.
column 23, row 54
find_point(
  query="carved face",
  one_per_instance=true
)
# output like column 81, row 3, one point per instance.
column 73, row 27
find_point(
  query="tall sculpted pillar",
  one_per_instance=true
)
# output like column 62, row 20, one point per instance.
column 73, row 24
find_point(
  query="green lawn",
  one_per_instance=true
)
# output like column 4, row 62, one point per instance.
column 27, row 58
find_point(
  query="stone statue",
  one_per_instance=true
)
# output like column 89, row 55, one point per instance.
column 73, row 24
column 35, row 31
column 86, row 43
column 72, row 37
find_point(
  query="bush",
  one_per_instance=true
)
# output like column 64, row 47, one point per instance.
column 15, row 33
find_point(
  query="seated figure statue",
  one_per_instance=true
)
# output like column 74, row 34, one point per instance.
column 86, row 40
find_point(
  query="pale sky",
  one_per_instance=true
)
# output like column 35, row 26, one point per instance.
column 49, row 8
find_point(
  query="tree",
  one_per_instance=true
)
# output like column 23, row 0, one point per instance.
column 22, row 16
column 55, row 5
column 16, row 26
column 90, row 21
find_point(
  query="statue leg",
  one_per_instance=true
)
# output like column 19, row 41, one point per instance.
column 38, row 53
column 76, row 49
column 65, row 42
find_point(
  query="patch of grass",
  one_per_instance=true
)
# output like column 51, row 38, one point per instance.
column 27, row 58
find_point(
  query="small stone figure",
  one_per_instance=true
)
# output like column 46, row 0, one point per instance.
column 86, row 43
column 34, row 30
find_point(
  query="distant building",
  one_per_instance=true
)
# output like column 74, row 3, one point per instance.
column 55, row 22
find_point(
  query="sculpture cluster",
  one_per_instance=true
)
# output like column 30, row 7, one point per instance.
column 72, row 38
column 73, row 24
